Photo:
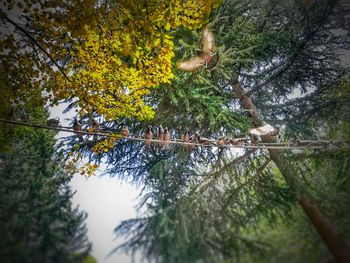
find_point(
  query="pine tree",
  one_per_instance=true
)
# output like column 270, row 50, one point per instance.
column 37, row 218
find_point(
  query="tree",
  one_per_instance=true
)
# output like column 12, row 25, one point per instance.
column 103, row 58
column 37, row 218
column 326, row 171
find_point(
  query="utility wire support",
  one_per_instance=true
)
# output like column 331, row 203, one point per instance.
column 283, row 146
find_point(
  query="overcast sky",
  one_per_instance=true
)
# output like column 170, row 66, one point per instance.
column 108, row 202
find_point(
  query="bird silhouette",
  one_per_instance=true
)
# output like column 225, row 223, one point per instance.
column 166, row 138
column 221, row 141
column 53, row 122
column 206, row 56
column 124, row 131
column 148, row 136
column 160, row 135
column 94, row 127
column 78, row 128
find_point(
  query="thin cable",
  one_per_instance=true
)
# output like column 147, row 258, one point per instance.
column 211, row 143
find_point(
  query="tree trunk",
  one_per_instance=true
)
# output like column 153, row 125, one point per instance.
column 323, row 225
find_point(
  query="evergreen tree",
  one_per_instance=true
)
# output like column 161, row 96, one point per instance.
column 38, row 222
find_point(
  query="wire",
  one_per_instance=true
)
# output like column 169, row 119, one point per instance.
column 290, row 146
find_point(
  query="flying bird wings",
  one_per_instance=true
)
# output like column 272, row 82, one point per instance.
column 262, row 130
column 206, row 57
column 191, row 64
column 208, row 41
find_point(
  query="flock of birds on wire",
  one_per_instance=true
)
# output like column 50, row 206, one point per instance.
column 162, row 135
column 207, row 58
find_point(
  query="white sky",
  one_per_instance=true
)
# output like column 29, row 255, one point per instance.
column 107, row 200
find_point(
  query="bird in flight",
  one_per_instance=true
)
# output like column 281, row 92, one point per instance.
column 206, row 57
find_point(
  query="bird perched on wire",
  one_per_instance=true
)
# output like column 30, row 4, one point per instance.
column 166, row 138
column 262, row 130
column 94, row 127
column 195, row 137
column 160, row 135
column 53, row 122
column 124, row 131
column 206, row 56
column 201, row 140
column 186, row 138
column 221, row 141
column 238, row 141
column 148, row 136
column 78, row 128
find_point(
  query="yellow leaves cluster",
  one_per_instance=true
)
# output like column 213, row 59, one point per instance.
column 73, row 165
column 191, row 14
column 104, row 145
column 119, row 52
column 114, row 52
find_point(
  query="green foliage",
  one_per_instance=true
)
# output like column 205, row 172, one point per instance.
column 294, row 239
column 288, row 240
column 199, row 105
column 200, row 212
column 325, row 175
column 37, row 220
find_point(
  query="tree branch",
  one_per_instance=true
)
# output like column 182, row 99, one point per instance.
column 289, row 60
column 248, row 182
column 4, row 16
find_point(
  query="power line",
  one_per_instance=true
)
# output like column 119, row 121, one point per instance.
column 301, row 144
